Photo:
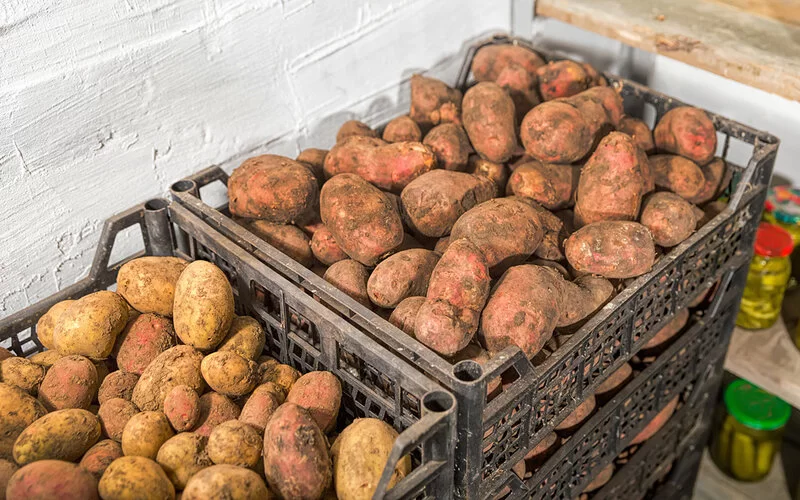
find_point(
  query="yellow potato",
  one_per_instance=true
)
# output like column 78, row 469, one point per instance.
column 228, row 373
column 7, row 469
column 144, row 434
column 203, row 308
column 18, row 410
column 246, row 338
column 182, row 456
column 284, row 376
column 179, row 365
column 46, row 358
column 48, row 321
column 90, row 325
column 148, row 283
column 235, row 443
column 60, row 435
column 359, row 457
column 226, row 481
column 22, row 373
column 129, row 478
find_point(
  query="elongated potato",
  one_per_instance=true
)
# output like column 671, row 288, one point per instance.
column 523, row 309
column 228, row 373
column 506, row 230
column 361, row 218
column 214, row 409
column 556, row 132
column 148, row 283
column 60, row 435
column 182, row 456
column 246, row 338
column 401, row 129
column 97, row 459
column 352, row 128
column 350, row 277
column 325, row 248
column 678, row 174
column 142, row 340
column 203, row 305
column 296, row 459
column 48, row 321
column 273, row 188
column 404, row 274
column 287, row 238
column 582, row 297
column 450, row 144
column 551, row 185
column 612, row 249
column 226, row 481
column 235, row 443
column 490, row 121
column 144, row 434
column 135, row 477
column 433, row 102
column 360, row 454
column 117, row 384
column 670, row 218
column 114, row 415
column 51, row 479
column 22, row 373
column 688, row 132
column 320, row 393
column 261, row 404
column 179, row 365
column 663, row 337
column 457, row 292
column 405, row 314
column 433, row 202
column 18, row 410
column 90, row 325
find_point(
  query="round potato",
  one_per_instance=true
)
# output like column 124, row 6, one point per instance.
column 351, row 277
column 117, row 384
column 235, row 443
column 99, row 457
column 670, row 218
column 51, row 479
column 612, row 249
column 47, row 323
column 226, row 481
column 325, row 248
column 144, row 434
column 284, row 376
column 359, row 457
column 203, row 309
column 135, row 477
column 142, row 340
column 60, row 435
column 114, row 415
column 182, row 456
column 320, row 393
column 45, row 358
column 179, row 365
column 70, row 383
column 404, row 274
column 7, row 469
column 246, row 338
column 148, row 283
column 214, row 409
column 22, row 373
column 90, row 325
column 262, row 403
column 228, row 373
column 182, row 407
column 18, row 410
column 405, row 314
column 401, row 129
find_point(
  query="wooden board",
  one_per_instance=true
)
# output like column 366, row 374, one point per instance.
column 713, row 484
column 755, row 42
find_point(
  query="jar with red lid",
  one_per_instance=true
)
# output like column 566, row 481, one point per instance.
column 767, row 278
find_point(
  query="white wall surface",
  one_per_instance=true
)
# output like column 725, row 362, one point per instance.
column 104, row 103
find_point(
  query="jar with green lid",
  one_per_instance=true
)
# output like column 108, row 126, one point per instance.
column 748, row 436
column 767, row 278
column 783, row 209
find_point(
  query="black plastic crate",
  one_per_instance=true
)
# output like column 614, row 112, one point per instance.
column 300, row 333
column 543, row 394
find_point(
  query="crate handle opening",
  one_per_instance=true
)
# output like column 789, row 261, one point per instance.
column 184, row 186
column 468, row 370
column 438, row 402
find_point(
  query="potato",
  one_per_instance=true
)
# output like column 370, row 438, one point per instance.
column 506, row 230
column 117, row 384
column 402, row 129
column 592, row 110
column 246, row 338
column 203, row 305
column 97, row 459
column 677, row 174
column 179, row 365
column 296, row 459
column 551, row 185
column 496, row 172
column 612, row 249
column 441, row 245
column 325, row 248
column 284, row 376
column 228, row 373
column 556, row 132
column 433, row 102
column 182, row 456
column 717, row 176
column 361, row 218
column 5, row 354
column 597, row 78
column 490, row 121
column 521, row 85
column 405, row 314
column 314, row 159
column 142, row 340
column 48, row 321
column 611, row 101
column 404, row 274
column 114, row 415
column 22, row 373
column 360, row 454
column 60, row 435
column 214, row 409
column 640, row 133
column 688, row 132
column 668, row 332
column 583, row 297
column 182, row 408
column 148, row 283
column 613, row 182
column 44, row 359
column 523, row 309
column 600, row 479
column 235, row 443
column 670, row 218
column 433, row 202
column 491, row 60
column 578, row 416
column 261, row 404
column 320, row 393
column 613, row 384
column 352, row 128
column 135, row 477
column 350, row 277
column 7, row 469
column 226, row 481
column 286, row 238
column 451, row 146
column 273, row 188
column 90, row 325
column 656, row 423
column 144, row 434
column 457, row 292
column 562, row 79
column 553, row 234
column 538, row 455
column 18, row 410
column 51, row 479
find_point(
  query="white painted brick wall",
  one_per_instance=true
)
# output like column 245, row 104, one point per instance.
column 103, row 104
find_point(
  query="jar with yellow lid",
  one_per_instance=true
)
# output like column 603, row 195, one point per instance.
column 748, row 435
column 767, row 278
column 783, row 209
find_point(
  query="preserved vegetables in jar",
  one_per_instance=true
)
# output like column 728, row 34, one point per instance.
column 783, row 209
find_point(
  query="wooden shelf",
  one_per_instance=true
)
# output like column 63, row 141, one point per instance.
column 767, row 358
column 712, row 484
column 755, row 42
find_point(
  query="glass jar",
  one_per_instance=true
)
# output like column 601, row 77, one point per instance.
column 767, row 278
column 783, row 209
column 748, row 435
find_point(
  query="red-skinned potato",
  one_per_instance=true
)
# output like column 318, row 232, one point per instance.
column 325, row 248
column 666, row 333
column 578, row 416
column 677, row 174
column 405, row 314
column 51, row 479
column 612, row 249
column 402, row 129
column 182, row 407
column 314, row 159
column 614, row 383
column 488, row 115
column 656, row 423
column 582, row 297
column 450, row 144
column 142, row 340
column 688, row 132
column 97, row 459
column 433, row 102
column 320, row 393
column 521, row 85
column 670, row 218
column 562, row 79
column 404, row 274
column 490, row 61
column 289, row 239
column 214, row 409
column 496, row 172
column 551, row 185
column 350, row 277
column 639, row 131
column 610, row 100
column 717, row 176
column 353, row 128
column 597, row 79
column 556, row 132
column 70, row 383
column 117, row 384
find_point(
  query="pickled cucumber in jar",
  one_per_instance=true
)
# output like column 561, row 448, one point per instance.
column 749, row 434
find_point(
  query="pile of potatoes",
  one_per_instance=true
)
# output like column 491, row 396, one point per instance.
column 494, row 218
column 160, row 389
